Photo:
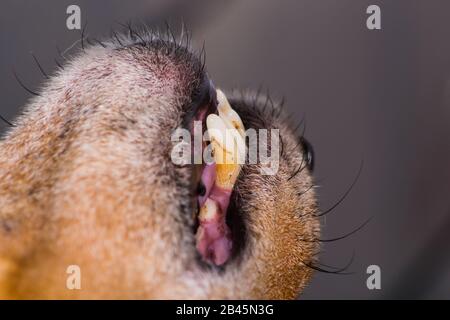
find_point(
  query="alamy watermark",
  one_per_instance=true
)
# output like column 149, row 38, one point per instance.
column 73, row 21
column 373, row 282
column 73, row 281
column 188, row 147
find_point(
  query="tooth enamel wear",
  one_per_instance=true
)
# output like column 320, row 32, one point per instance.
column 227, row 133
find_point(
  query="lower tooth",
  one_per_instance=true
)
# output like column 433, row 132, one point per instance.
column 208, row 210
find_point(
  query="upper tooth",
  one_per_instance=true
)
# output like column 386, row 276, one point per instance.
column 228, row 139
column 226, row 133
column 230, row 117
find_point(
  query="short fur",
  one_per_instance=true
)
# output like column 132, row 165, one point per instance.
column 86, row 179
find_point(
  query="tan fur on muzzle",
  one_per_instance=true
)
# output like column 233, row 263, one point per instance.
column 87, row 180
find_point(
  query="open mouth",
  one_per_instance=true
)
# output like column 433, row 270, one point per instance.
column 216, row 216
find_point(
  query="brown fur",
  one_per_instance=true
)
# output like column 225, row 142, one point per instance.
column 86, row 179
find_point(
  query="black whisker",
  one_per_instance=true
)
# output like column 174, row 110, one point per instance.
column 88, row 40
column 22, row 85
column 39, row 66
column 307, row 189
column 203, row 56
column 281, row 106
column 138, row 35
column 188, row 39
column 257, row 94
column 129, row 25
column 124, row 26
column 348, row 234
column 348, row 264
column 183, row 26
column 82, row 35
column 100, row 43
column 170, row 32
column 346, row 192
column 58, row 64
column 117, row 37
column 304, row 128
column 299, row 124
column 6, row 121
column 319, row 269
column 272, row 106
column 336, row 270
column 300, row 169
column 59, row 52
column 267, row 100
column 282, row 146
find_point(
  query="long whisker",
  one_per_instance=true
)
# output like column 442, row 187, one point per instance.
column 82, row 35
column 39, row 66
column 319, row 269
column 6, row 121
column 346, row 192
column 348, row 264
column 348, row 234
column 58, row 64
column 22, row 85
column 300, row 169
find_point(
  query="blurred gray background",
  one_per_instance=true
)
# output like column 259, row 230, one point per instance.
column 382, row 96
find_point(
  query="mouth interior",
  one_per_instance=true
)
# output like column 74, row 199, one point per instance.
column 214, row 237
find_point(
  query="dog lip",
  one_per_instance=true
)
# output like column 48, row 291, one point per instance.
column 213, row 96
column 203, row 102
column 210, row 102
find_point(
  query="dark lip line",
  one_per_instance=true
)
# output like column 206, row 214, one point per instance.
column 204, row 102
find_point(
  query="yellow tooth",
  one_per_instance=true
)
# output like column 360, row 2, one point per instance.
column 226, row 172
column 228, row 139
column 217, row 130
column 227, row 142
column 208, row 210
column 232, row 121
column 229, row 116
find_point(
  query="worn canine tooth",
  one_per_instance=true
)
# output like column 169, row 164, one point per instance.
column 227, row 142
column 225, row 153
column 233, row 122
column 229, row 116
column 226, row 173
column 228, row 139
